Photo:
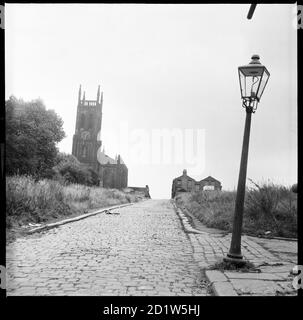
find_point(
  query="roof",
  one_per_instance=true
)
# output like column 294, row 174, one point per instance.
column 210, row 178
column 184, row 176
column 105, row 159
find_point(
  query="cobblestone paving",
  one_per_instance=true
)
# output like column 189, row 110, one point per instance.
column 142, row 251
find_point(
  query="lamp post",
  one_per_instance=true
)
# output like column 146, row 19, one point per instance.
column 253, row 79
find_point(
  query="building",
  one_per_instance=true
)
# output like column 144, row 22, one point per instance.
column 185, row 183
column 113, row 173
column 210, row 183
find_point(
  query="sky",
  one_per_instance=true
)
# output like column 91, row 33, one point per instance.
column 170, row 83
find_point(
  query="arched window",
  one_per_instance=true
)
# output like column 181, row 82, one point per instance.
column 84, row 151
column 82, row 121
column 91, row 122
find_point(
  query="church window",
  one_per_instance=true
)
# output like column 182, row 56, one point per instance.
column 91, row 122
column 84, row 151
column 82, row 121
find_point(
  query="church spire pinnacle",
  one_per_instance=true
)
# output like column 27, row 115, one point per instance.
column 98, row 94
column 83, row 96
column 79, row 94
column 101, row 102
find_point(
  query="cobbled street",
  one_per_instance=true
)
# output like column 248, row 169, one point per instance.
column 142, row 251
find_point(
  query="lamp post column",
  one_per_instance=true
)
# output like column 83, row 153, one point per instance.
column 235, row 247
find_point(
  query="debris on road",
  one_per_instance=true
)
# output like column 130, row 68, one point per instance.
column 109, row 212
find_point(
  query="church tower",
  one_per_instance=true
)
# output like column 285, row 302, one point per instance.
column 88, row 128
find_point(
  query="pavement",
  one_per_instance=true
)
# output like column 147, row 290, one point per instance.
column 273, row 260
column 149, row 249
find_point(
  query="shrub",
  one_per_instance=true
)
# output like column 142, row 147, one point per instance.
column 28, row 200
column 213, row 208
column 32, row 201
column 69, row 170
column 273, row 208
column 268, row 207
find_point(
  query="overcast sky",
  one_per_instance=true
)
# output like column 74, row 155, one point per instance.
column 170, row 67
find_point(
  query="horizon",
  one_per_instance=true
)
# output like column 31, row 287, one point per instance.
column 154, row 62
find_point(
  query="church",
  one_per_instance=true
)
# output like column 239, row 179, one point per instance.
column 113, row 173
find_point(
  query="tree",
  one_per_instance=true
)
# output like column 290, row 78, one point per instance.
column 63, row 158
column 32, row 133
column 94, row 178
column 72, row 171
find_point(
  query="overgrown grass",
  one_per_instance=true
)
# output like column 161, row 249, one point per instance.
column 30, row 201
column 268, row 207
column 246, row 266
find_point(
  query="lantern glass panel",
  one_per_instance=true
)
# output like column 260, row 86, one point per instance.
column 252, row 84
column 249, row 85
column 242, row 84
column 263, row 83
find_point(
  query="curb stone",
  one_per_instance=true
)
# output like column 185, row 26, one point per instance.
column 186, row 225
column 83, row 216
column 224, row 289
column 215, row 276
column 219, row 283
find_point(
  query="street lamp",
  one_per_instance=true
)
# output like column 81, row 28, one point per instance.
column 253, row 79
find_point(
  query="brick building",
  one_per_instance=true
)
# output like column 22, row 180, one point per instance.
column 210, row 183
column 185, row 183
column 113, row 173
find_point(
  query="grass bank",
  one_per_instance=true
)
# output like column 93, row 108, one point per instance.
column 30, row 201
column 269, row 209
